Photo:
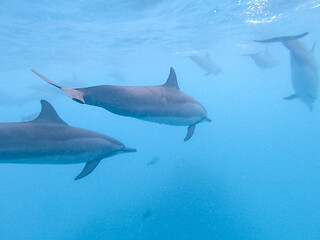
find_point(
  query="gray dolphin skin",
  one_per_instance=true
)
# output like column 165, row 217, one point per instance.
column 304, row 70
column 206, row 64
column 263, row 60
column 49, row 140
column 164, row 104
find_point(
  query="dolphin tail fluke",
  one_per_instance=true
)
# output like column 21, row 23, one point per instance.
column 74, row 94
column 282, row 39
column 88, row 168
column 291, row 97
column 46, row 79
column 190, row 132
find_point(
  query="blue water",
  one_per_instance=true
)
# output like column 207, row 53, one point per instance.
column 252, row 173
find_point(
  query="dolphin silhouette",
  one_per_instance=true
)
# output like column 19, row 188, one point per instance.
column 263, row 60
column 164, row 104
column 304, row 70
column 153, row 161
column 49, row 140
column 206, row 64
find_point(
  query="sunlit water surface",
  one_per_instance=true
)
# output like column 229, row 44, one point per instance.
column 252, row 173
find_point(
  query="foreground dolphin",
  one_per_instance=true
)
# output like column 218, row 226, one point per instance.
column 49, row 140
column 164, row 104
column 263, row 60
column 206, row 64
column 304, row 70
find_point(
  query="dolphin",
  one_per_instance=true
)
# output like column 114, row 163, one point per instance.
column 164, row 104
column 304, row 70
column 206, row 64
column 147, row 214
column 153, row 161
column 263, row 60
column 49, row 140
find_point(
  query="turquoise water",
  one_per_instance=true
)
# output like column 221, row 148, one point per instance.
column 252, row 173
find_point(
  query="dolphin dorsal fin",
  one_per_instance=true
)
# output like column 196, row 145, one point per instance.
column 48, row 114
column 172, row 80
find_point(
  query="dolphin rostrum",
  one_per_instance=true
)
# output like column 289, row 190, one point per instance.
column 304, row 70
column 206, row 64
column 263, row 60
column 164, row 104
column 49, row 140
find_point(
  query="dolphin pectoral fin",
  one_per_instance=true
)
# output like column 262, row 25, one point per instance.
column 74, row 94
column 88, row 168
column 190, row 132
column 291, row 97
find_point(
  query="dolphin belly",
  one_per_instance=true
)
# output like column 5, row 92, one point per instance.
column 305, row 82
column 171, row 120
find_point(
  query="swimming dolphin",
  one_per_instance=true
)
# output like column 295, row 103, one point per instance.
column 153, row 161
column 147, row 214
column 164, row 104
column 263, row 60
column 206, row 64
column 304, row 70
column 49, row 140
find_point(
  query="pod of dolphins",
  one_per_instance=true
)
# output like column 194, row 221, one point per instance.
column 49, row 140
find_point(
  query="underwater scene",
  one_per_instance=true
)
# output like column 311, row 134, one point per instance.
column 158, row 119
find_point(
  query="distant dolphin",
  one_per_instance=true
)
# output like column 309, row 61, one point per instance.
column 49, row 140
column 147, row 214
column 164, row 104
column 153, row 161
column 263, row 60
column 206, row 64
column 304, row 70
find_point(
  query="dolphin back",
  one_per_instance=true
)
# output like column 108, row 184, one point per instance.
column 282, row 39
